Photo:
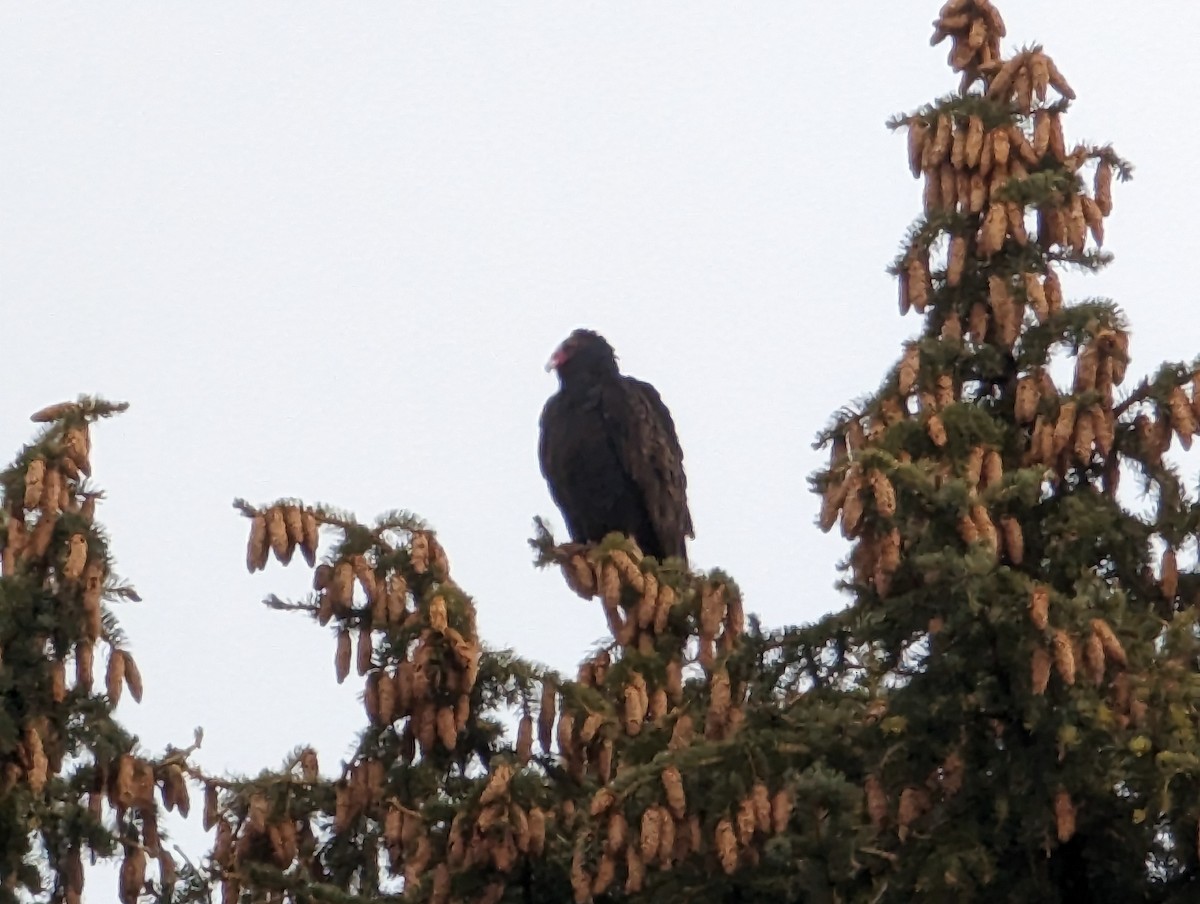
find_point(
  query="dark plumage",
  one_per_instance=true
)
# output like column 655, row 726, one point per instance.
column 609, row 452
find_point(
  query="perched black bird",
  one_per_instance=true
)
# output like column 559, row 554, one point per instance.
column 609, row 452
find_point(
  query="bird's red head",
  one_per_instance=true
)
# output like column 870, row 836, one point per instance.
column 580, row 346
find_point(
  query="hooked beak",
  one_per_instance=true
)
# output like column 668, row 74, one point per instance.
column 555, row 360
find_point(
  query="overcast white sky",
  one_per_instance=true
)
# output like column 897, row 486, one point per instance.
column 325, row 250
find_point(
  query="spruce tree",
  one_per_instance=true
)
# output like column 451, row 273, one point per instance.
column 1037, row 689
column 1005, row 710
column 74, row 785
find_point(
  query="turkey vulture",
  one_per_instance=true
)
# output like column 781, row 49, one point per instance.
column 609, row 452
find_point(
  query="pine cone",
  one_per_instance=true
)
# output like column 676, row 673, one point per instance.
column 1040, row 668
column 1064, row 657
column 877, row 803
column 1064, row 816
